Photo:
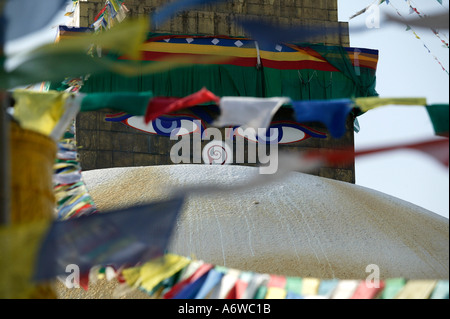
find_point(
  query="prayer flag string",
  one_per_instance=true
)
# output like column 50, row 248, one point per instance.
column 435, row 31
column 419, row 38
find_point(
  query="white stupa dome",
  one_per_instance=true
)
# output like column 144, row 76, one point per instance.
column 302, row 225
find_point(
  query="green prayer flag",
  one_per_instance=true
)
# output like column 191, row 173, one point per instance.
column 54, row 67
column 130, row 102
column 261, row 292
column 439, row 114
column 294, row 284
column 392, row 287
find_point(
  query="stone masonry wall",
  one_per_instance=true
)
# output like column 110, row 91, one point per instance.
column 217, row 19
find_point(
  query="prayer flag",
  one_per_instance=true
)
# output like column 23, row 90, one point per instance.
column 198, row 274
column 327, row 287
column 134, row 103
column 363, row 291
column 71, row 108
column 268, row 35
column 227, row 283
column 368, row 103
column 441, row 290
column 69, row 58
column 310, row 286
column 166, row 12
column 19, row 246
column 438, row 21
column 190, row 290
column 275, row 293
column 22, row 17
column 255, row 282
column 239, row 288
column 392, row 286
column 436, row 148
column 39, row 111
column 417, row 289
column 213, row 279
column 117, row 238
column 276, row 287
column 294, row 284
column 331, row 113
column 163, row 105
column 191, row 269
column 439, row 116
column 249, row 112
column 150, row 274
column 345, row 289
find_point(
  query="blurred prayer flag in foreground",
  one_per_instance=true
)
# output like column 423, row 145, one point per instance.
column 117, row 238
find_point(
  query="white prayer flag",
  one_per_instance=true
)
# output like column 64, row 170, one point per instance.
column 248, row 112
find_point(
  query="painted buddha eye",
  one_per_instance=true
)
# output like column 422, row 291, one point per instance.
column 271, row 136
column 187, row 127
column 248, row 134
column 288, row 132
column 165, row 125
column 292, row 135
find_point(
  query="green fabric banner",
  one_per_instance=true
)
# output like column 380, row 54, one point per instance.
column 230, row 80
column 226, row 79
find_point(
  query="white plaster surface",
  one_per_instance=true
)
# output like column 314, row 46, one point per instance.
column 303, row 225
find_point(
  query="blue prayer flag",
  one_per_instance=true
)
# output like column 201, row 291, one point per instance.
column 332, row 113
column 21, row 17
column 117, row 238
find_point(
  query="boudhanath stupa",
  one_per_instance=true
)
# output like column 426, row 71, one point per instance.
column 316, row 225
column 262, row 214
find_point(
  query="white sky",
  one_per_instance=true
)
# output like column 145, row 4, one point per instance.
column 405, row 69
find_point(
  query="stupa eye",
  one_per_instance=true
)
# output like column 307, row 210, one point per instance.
column 272, row 135
column 187, row 126
column 166, row 125
column 281, row 133
column 291, row 135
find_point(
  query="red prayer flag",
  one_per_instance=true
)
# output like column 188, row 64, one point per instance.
column 438, row 149
column 162, row 105
column 232, row 293
column 98, row 15
column 240, row 288
column 84, row 280
column 277, row 281
column 365, row 292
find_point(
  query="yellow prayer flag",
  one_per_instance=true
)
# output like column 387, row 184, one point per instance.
column 19, row 246
column 153, row 272
column 417, row 289
column 275, row 293
column 368, row 103
column 310, row 286
column 115, row 5
column 39, row 111
column 123, row 38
